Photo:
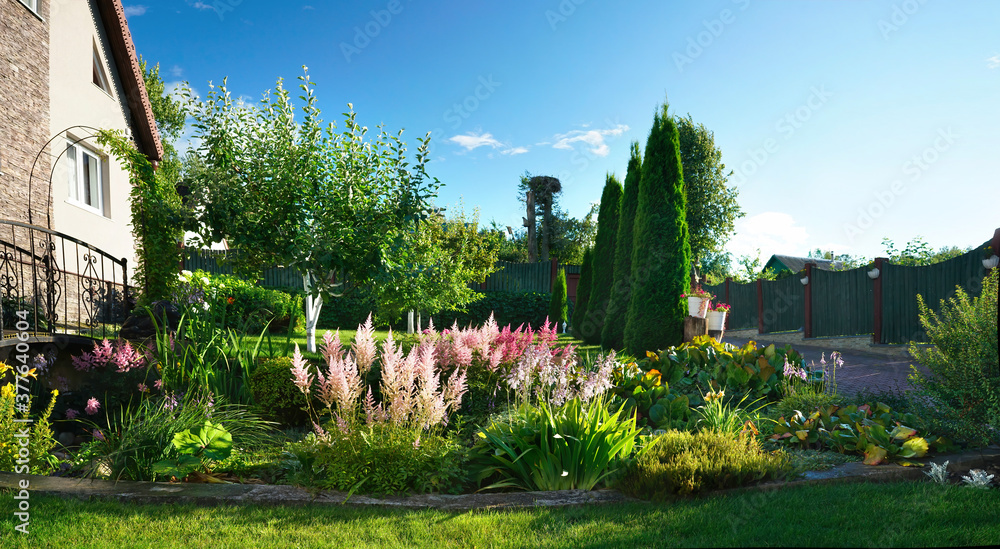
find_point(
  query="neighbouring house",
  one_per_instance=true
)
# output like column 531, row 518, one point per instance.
column 787, row 264
column 67, row 69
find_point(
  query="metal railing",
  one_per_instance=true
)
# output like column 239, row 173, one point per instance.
column 58, row 284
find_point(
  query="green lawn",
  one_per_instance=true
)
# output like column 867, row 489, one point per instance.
column 852, row 515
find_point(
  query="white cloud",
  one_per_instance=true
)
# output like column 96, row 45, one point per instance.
column 201, row 6
column 308, row 7
column 515, row 150
column 772, row 233
column 176, row 71
column 993, row 62
column 473, row 141
column 593, row 138
column 134, row 11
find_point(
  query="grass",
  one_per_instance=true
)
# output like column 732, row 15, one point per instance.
column 831, row 515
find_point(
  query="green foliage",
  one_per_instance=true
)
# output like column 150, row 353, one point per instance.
column 730, row 418
column 446, row 256
column 39, row 440
column 604, row 262
column 751, row 269
column 275, row 396
column 876, row 432
column 139, row 437
column 680, row 463
column 661, row 254
column 648, row 397
column 964, row 379
column 571, row 447
column 704, row 366
column 247, row 306
column 156, row 221
column 583, row 288
column 613, row 333
column 918, row 252
column 514, row 308
column 805, row 400
column 196, row 448
column 559, row 306
column 380, row 459
column 712, row 209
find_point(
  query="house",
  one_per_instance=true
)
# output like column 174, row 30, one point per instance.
column 786, row 264
column 69, row 68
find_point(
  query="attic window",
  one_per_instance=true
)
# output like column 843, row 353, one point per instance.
column 100, row 77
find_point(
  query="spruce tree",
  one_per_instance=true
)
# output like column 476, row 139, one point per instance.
column 613, row 334
column 661, row 255
column 583, row 291
column 559, row 306
column 604, row 261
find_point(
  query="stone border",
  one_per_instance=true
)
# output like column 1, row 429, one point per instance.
column 264, row 494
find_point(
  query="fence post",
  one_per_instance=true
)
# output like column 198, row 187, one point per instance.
column 808, row 304
column 760, row 306
column 729, row 280
column 877, row 297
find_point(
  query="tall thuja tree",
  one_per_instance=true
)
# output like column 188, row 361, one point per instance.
column 613, row 334
column 335, row 205
column 559, row 304
column 583, row 287
column 604, row 261
column 661, row 255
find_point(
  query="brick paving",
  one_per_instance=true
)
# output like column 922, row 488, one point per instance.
column 860, row 371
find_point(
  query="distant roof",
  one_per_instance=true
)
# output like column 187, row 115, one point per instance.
column 144, row 125
column 796, row 264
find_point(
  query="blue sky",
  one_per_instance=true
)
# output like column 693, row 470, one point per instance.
column 844, row 121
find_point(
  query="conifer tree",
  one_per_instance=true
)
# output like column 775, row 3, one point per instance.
column 583, row 291
column 604, row 261
column 559, row 306
column 613, row 333
column 661, row 254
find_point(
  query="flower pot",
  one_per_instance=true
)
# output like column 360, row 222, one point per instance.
column 716, row 320
column 697, row 306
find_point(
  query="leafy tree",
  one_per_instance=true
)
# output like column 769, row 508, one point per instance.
column 661, row 255
column 751, row 269
column 918, row 252
column 604, row 261
column 613, row 333
column 712, row 209
column 446, row 255
column 570, row 237
column 583, row 287
column 715, row 267
column 847, row 261
column 336, row 206
column 559, row 306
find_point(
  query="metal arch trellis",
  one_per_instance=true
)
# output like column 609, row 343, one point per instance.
column 31, row 175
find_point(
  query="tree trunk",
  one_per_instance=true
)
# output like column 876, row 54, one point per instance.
column 546, row 227
column 313, row 305
column 529, row 222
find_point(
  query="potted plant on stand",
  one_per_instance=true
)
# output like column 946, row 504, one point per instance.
column 698, row 302
column 717, row 317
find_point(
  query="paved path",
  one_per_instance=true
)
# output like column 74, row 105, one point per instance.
column 860, row 371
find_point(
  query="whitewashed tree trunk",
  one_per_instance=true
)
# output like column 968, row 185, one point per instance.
column 313, row 305
column 420, row 324
column 409, row 322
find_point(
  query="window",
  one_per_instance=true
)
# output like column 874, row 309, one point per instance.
column 31, row 4
column 100, row 77
column 86, row 178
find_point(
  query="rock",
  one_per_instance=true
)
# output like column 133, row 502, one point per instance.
column 140, row 326
column 65, row 438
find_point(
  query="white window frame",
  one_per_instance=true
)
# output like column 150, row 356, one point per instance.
column 31, row 5
column 75, row 152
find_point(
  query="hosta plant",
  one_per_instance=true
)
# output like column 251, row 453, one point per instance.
column 648, row 396
column 875, row 432
column 196, row 449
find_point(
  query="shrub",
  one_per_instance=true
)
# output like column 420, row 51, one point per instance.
column 604, row 261
column 661, row 264
column 583, row 288
column 275, row 395
column 40, row 439
column 238, row 303
column 964, row 383
column 513, row 308
column 679, row 463
column 558, row 307
column 380, row 459
column 613, row 334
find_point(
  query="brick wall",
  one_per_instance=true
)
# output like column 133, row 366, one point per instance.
column 24, row 110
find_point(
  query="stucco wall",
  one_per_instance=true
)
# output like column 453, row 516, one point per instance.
column 75, row 28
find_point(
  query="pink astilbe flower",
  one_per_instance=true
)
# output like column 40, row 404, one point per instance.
column 127, row 358
column 84, row 362
column 102, row 353
column 374, row 413
column 547, row 333
column 71, row 413
column 300, row 374
column 321, row 433
column 342, row 385
column 143, row 388
column 92, row 406
column 363, row 346
column 158, row 384
column 331, row 346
